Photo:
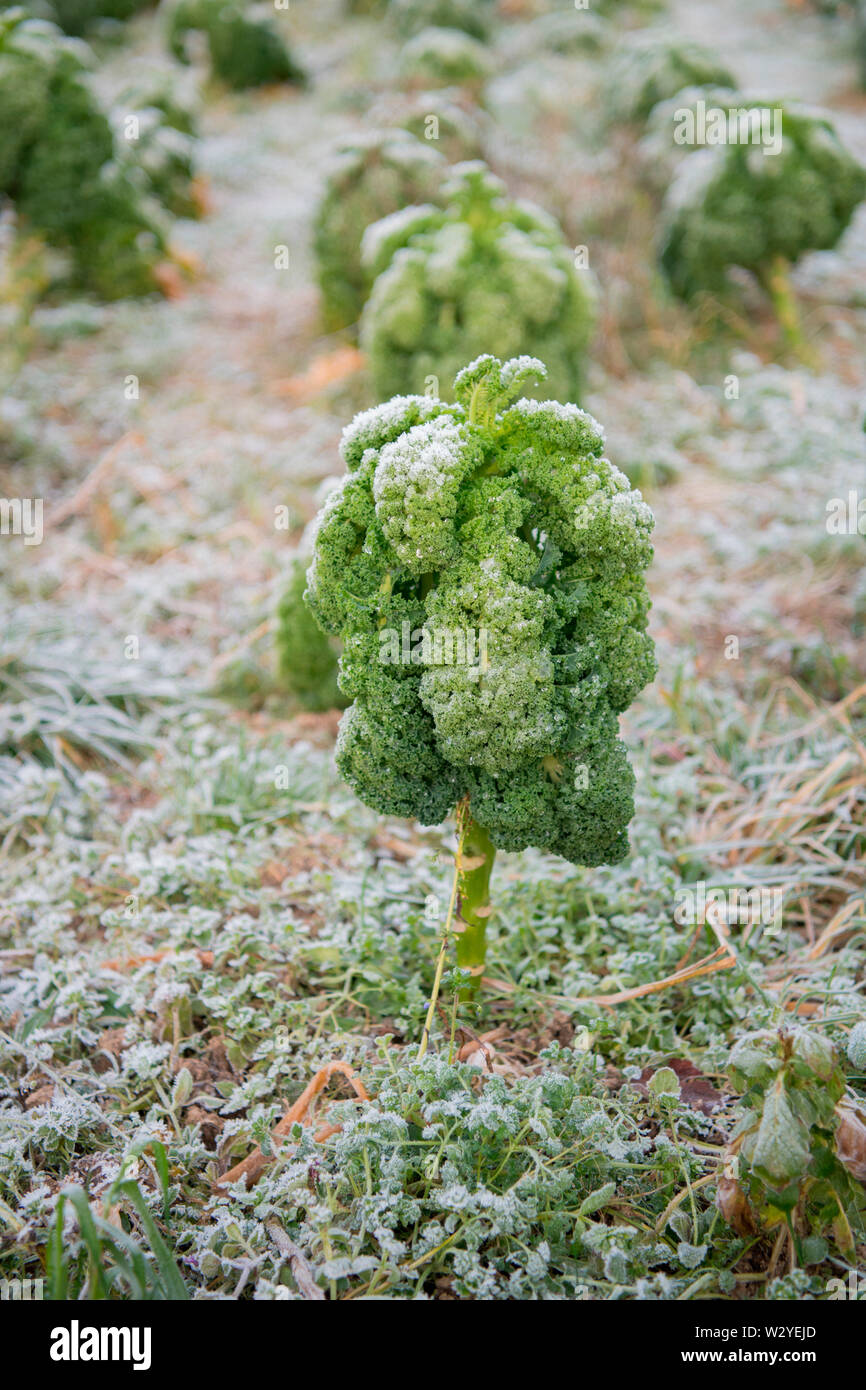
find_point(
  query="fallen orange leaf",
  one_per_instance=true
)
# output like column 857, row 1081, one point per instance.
column 322, row 372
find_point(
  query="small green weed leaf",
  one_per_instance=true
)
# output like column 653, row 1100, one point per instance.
column 781, row 1151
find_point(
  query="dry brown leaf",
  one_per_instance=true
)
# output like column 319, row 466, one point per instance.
column 41, row 1096
column 851, row 1138
column 169, row 279
column 477, row 1053
column 315, row 728
column 133, row 962
column 272, row 874
column 401, row 850
column 187, row 261
column 735, row 1207
column 201, row 195
column 110, row 1044
column 209, row 1123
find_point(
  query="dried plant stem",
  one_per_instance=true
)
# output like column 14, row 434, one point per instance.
column 255, row 1163
column 708, row 965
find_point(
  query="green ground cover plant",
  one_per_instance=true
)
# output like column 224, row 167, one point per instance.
column 799, row 1151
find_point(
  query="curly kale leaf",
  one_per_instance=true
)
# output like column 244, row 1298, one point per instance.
column 745, row 205
column 483, row 564
column 650, row 68
column 372, row 177
column 59, row 164
column 483, row 271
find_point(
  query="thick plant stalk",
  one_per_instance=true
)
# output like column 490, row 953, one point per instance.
column 475, row 868
column 470, row 906
column 777, row 283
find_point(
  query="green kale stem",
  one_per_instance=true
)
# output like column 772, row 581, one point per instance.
column 474, row 869
column 470, row 897
column 777, row 283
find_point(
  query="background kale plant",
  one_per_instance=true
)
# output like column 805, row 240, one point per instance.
column 741, row 205
column 372, row 176
column 483, row 272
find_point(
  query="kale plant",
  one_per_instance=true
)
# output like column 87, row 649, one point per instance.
column 445, row 58
column 160, row 161
column 474, row 17
column 246, row 48
column 741, row 205
column 78, row 17
column 439, row 118
column 483, row 564
column 373, row 176
column 483, row 272
column 58, row 163
column 568, row 32
column 306, row 658
column 649, row 68
column 163, row 92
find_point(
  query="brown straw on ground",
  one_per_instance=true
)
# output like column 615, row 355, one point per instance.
column 719, row 960
column 255, row 1163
